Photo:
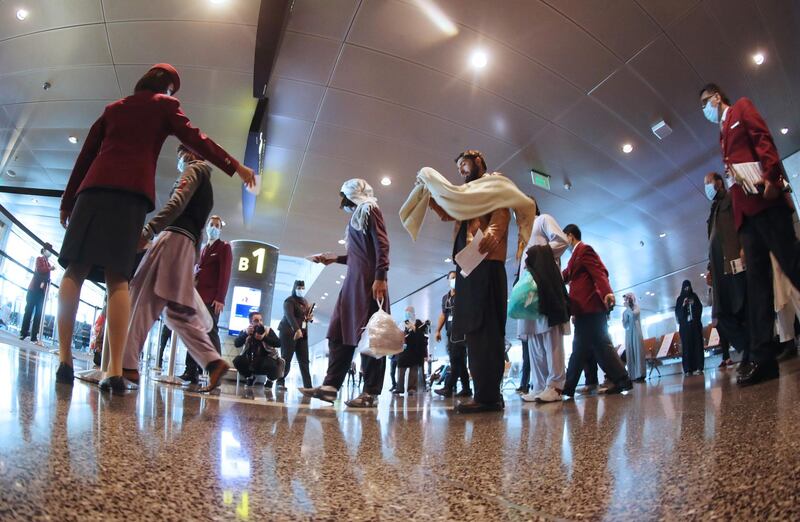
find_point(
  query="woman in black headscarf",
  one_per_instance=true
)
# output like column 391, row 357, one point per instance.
column 294, row 332
column 688, row 311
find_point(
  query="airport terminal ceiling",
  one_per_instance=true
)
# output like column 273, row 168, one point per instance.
column 379, row 88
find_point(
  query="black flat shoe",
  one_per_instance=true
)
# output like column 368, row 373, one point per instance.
column 115, row 384
column 443, row 392
column 614, row 389
column 464, row 393
column 744, row 368
column 65, row 374
column 759, row 372
column 479, row 407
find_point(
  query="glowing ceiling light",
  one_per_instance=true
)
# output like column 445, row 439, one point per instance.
column 326, row 294
column 341, row 277
column 72, row 139
column 448, row 260
column 22, row 14
column 758, row 58
column 784, row 131
column 338, row 282
column 386, row 181
column 627, row 148
column 662, row 235
column 11, row 174
column 437, row 16
column 342, row 241
column 479, row 59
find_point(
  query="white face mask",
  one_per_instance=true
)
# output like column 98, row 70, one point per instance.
column 213, row 233
column 300, row 292
column 729, row 181
column 711, row 191
column 453, row 284
column 349, row 210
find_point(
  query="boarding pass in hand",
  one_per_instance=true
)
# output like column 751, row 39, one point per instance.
column 747, row 175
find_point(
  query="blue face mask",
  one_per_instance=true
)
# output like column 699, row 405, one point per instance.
column 711, row 113
column 409, row 317
column 711, row 191
column 213, row 233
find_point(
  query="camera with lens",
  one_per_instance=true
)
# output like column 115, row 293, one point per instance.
column 259, row 329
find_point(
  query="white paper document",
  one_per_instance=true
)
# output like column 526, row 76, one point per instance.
column 748, row 175
column 666, row 343
column 469, row 258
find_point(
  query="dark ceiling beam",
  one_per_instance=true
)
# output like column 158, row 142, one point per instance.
column 273, row 17
column 27, row 191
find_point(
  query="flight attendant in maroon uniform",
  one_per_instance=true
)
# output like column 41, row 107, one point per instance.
column 763, row 219
column 111, row 189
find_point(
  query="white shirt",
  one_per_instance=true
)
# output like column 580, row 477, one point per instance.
column 545, row 231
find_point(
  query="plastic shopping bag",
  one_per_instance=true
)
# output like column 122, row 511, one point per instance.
column 381, row 336
column 523, row 302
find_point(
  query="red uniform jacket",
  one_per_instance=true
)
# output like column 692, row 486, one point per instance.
column 745, row 137
column 214, row 271
column 122, row 147
column 41, row 274
column 588, row 281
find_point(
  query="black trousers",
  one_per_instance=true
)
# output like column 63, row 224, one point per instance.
column 34, row 302
column 725, row 345
column 393, row 371
column 732, row 324
column 340, row 357
column 591, row 337
column 166, row 333
column 771, row 231
column 590, row 370
column 525, row 378
column 458, row 367
column 291, row 347
column 192, row 369
column 258, row 366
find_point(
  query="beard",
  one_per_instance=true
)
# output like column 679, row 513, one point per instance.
column 474, row 174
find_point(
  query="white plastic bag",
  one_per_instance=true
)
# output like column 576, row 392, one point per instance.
column 381, row 336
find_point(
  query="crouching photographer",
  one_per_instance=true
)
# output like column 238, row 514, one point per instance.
column 260, row 355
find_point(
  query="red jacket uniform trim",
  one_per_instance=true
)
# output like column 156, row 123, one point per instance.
column 214, row 271
column 122, row 147
column 745, row 138
column 587, row 277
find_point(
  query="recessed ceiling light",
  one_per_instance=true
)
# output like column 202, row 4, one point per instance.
column 784, row 131
column 479, row 59
column 326, row 294
column 627, row 148
column 72, row 139
column 342, row 241
column 448, row 260
column 11, row 174
column 323, row 298
column 217, row 2
column 338, row 282
column 386, row 181
column 22, row 14
column 662, row 235
column 758, row 58
column 341, row 277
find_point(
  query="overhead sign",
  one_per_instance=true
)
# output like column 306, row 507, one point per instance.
column 540, row 180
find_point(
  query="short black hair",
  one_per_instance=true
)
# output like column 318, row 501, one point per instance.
column 451, row 272
column 713, row 88
column 474, row 155
column 252, row 313
column 154, row 80
column 717, row 176
column 573, row 230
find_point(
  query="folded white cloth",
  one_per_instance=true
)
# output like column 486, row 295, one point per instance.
column 468, row 201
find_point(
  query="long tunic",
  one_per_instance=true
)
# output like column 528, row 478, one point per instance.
column 634, row 344
column 367, row 260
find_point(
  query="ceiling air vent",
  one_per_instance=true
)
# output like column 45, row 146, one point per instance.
column 662, row 130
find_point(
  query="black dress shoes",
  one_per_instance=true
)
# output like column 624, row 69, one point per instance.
column 444, row 392
column 65, row 374
column 464, row 393
column 758, row 372
column 479, row 407
column 744, row 367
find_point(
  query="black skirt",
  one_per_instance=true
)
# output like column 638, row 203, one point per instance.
column 103, row 231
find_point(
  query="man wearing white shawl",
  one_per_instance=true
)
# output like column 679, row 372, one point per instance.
column 481, row 297
column 365, row 285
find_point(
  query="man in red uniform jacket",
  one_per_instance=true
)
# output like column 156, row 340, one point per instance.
column 590, row 299
column 34, row 300
column 213, row 276
column 764, row 221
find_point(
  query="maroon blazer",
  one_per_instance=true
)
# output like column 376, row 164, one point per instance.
column 214, row 271
column 122, row 147
column 588, row 281
column 41, row 274
column 744, row 137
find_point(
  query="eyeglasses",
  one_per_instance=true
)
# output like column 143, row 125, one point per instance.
column 704, row 101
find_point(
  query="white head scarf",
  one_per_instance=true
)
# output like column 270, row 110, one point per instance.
column 359, row 192
column 634, row 302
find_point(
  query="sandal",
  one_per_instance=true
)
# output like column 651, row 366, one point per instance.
column 365, row 400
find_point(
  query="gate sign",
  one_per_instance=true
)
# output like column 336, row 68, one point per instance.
column 252, row 282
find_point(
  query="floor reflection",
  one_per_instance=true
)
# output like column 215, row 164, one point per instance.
column 668, row 450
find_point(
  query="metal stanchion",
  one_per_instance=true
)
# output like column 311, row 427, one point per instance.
column 92, row 375
column 149, row 348
column 170, row 378
column 43, row 316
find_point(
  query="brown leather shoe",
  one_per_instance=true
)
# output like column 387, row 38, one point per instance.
column 216, row 370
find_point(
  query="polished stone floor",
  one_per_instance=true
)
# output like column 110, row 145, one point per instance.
column 697, row 448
